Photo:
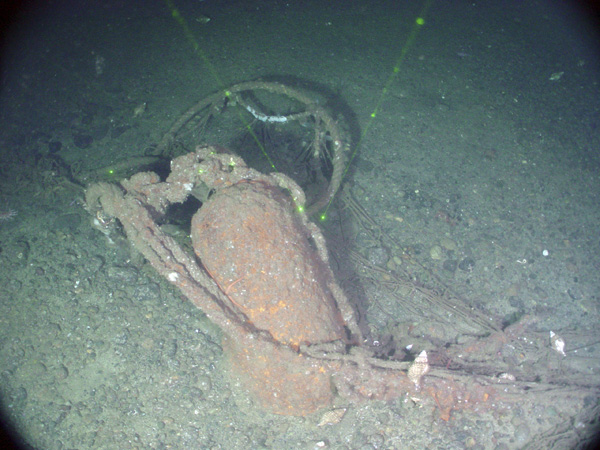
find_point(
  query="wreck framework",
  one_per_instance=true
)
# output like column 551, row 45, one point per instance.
column 304, row 370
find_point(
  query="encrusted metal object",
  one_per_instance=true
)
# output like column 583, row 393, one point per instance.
column 260, row 271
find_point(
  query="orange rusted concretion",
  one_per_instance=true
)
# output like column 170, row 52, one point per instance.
column 283, row 382
column 253, row 243
column 261, row 274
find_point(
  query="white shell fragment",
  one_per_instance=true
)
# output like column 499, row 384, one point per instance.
column 418, row 368
column 556, row 76
column 140, row 109
column 332, row 417
column 507, row 376
column 557, row 343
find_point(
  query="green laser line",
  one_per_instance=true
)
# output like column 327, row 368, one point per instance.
column 211, row 68
column 419, row 22
column 190, row 37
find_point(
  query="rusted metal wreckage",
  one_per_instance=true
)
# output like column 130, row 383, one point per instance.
column 260, row 271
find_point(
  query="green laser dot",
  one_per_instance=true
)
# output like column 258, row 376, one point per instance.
column 420, row 21
column 323, row 217
column 373, row 114
column 111, row 171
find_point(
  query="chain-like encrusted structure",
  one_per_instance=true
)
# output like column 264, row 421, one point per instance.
column 261, row 273
column 326, row 128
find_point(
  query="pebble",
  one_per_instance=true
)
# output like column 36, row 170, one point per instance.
column 62, row 372
column 522, row 435
column 38, row 369
column 82, row 140
column 467, row 264
column 378, row 256
column 125, row 275
column 450, row 265
column 448, row 244
column 436, row 252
